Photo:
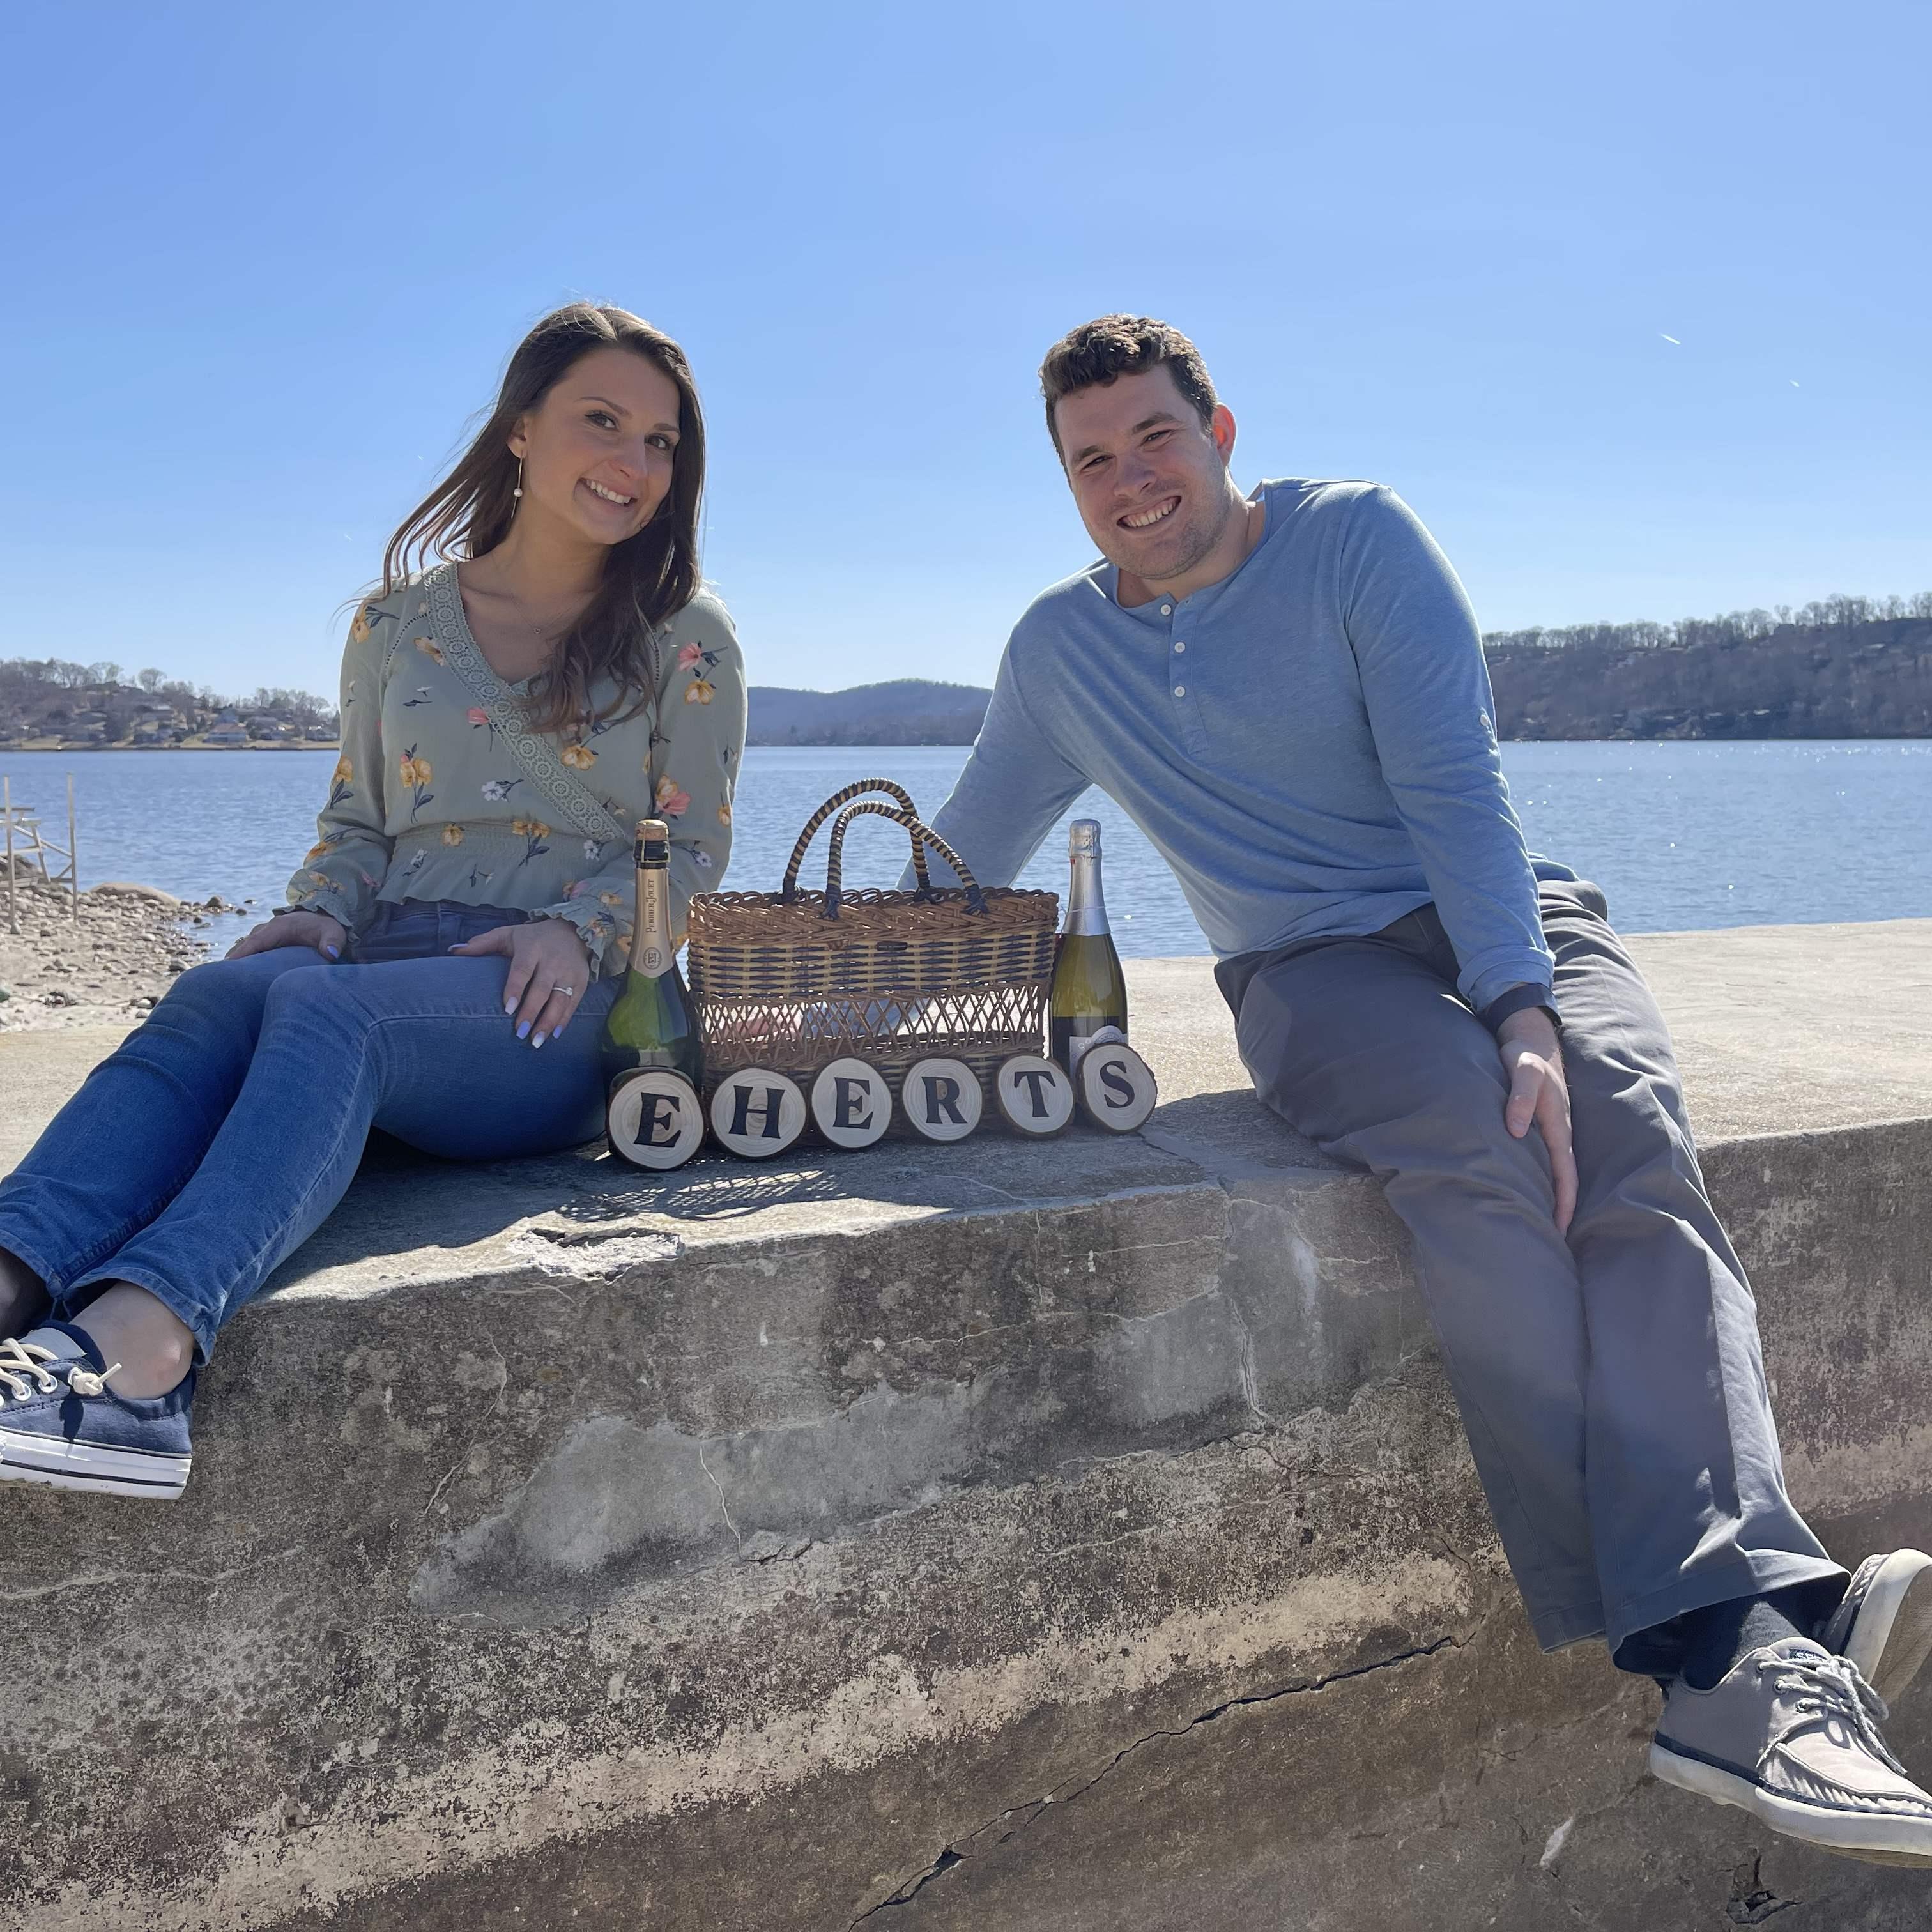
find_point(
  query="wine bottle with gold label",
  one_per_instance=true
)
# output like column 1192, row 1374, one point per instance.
column 651, row 1022
column 1088, row 1002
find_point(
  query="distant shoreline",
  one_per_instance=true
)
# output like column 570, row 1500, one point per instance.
column 1847, row 668
column 962, row 744
column 332, row 744
column 1601, row 738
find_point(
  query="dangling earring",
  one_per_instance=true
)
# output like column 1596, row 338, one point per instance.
column 519, row 489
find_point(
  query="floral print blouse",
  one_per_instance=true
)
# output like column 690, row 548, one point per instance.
column 444, row 792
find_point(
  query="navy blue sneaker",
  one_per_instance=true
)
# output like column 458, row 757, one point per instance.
column 60, row 1424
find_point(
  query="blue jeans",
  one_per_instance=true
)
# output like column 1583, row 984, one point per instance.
column 220, row 1133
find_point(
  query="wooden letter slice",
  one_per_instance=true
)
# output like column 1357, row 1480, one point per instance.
column 941, row 1099
column 1033, row 1094
column 851, row 1103
column 1116, row 1087
column 654, row 1117
column 757, row 1113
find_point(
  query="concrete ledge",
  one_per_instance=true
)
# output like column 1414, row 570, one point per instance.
column 1004, row 1535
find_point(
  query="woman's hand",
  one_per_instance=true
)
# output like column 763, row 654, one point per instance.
column 550, row 972
column 325, row 934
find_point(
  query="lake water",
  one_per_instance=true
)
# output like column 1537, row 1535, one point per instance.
column 1679, row 835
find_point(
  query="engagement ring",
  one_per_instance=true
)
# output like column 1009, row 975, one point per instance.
column 563, row 989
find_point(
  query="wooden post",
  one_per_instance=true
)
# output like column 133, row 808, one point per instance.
column 13, row 891
column 73, row 852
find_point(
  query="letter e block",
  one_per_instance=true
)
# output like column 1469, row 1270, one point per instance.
column 654, row 1117
column 851, row 1103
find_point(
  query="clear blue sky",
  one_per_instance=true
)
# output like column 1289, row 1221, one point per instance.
column 263, row 262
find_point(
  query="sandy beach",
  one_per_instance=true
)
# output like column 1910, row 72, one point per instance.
column 112, row 964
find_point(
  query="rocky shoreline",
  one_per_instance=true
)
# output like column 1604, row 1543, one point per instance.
column 111, row 963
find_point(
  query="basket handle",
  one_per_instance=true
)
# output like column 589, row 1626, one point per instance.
column 922, row 835
column 856, row 789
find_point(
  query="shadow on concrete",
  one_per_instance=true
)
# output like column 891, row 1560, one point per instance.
column 1233, row 1129
column 706, row 1189
column 403, row 1203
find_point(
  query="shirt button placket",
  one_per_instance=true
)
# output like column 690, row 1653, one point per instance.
column 1167, row 610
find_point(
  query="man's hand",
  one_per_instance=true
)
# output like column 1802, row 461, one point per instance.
column 1527, row 1043
column 549, row 973
column 293, row 929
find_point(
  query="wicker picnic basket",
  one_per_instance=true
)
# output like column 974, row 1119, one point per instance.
column 794, row 979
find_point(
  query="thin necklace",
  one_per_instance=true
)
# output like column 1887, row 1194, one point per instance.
column 524, row 613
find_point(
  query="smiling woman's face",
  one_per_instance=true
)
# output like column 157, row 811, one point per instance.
column 597, row 450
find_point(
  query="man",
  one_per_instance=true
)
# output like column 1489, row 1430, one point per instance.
column 1286, row 692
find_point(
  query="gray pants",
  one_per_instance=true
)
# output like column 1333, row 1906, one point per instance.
column 1611, row 1383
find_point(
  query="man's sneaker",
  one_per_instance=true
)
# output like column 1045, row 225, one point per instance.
column 1791, row 1736
column 60, row 1424
column 1884, row 1625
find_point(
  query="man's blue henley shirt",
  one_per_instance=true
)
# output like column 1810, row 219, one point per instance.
column 1308, row 742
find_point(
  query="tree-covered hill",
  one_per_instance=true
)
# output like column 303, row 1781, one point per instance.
column 1848, row 667
column 908, row 711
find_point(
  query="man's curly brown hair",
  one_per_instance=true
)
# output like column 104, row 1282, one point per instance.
column 1113, row 346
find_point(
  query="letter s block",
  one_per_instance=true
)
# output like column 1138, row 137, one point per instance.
column 1116, row 1087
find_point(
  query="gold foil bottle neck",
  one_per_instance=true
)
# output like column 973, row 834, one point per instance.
column 652, row 951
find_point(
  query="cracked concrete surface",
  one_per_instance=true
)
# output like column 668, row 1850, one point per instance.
column 1001, row 1831
column 939, row 1538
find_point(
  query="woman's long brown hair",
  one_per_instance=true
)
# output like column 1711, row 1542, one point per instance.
column 648, row 578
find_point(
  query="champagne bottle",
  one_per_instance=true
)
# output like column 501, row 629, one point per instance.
column 1088, row 1002
column 651, row 1023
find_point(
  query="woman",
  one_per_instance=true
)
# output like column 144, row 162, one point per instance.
column 453, row 941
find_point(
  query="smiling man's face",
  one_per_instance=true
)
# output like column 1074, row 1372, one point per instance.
column 1150, row 476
